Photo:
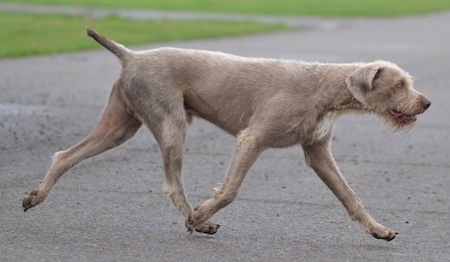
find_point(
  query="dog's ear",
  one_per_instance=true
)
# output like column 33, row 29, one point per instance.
column 360, row 82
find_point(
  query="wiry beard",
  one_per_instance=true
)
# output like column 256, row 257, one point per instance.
column 402, row 118
column 398, row 123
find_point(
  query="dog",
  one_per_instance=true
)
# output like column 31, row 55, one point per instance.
column 265, row 103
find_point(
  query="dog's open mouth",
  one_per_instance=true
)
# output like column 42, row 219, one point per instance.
column 401, row 117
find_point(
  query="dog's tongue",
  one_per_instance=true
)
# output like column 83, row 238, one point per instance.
column 406, row 118
column 396, row 113
column 402, row 117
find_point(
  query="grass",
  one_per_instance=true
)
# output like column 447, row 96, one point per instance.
column 25, row 34
column 279, row 7
column 28, row 34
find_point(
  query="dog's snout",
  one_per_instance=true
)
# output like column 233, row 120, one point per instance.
column 426, row 104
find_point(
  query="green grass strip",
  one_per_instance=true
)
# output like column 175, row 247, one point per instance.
column 27, row 34
column 279, row 7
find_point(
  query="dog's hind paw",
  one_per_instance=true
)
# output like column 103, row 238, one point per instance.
column 30, row 200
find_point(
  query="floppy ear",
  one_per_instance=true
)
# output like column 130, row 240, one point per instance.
column 360, row 82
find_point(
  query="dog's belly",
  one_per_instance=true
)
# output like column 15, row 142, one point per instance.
column 225, row 117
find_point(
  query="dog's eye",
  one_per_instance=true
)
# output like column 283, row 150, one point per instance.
column 400, row 84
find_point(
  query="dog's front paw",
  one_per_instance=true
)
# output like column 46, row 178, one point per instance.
column 194, row 222
column 31, row 200
column 208, row 227
column 383, row 233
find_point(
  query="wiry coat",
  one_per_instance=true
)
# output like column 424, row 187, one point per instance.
column 265, row 103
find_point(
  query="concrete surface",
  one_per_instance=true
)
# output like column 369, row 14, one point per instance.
column 112, row 208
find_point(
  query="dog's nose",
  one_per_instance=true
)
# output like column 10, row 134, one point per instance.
column 426, row 104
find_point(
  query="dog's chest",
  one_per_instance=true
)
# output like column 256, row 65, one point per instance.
column 324, row 126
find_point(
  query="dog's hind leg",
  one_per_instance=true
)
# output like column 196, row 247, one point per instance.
column 167, row 120
column 319, row 158
column 115, row 127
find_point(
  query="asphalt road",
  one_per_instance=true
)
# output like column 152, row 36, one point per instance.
column 112, row 208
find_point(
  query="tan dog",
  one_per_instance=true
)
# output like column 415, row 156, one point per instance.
column 265, row 103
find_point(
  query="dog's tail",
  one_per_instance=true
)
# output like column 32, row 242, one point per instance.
column 119, row 50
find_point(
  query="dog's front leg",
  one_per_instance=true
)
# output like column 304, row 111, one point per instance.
column 319, row 158
column 248, row 150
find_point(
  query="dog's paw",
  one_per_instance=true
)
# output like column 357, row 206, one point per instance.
column 194, row 222
column 383, row 233
column 30, row 200
column 208, row 227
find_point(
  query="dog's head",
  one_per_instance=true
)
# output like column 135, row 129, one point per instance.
column 387, row 90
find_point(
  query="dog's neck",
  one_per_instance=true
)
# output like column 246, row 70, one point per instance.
column 353, row 104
